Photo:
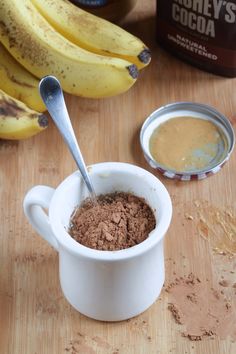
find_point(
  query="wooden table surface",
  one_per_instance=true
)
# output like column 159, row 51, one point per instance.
column 35, row 317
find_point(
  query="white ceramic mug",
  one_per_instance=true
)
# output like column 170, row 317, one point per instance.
column 104, row 285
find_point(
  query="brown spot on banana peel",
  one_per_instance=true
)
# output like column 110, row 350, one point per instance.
column 13, row 79
column 9, row 108
column 145, row 56
column 133, row 71
column 35, row 54
column 43, row 121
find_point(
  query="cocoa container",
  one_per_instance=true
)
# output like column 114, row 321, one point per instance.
column 201, row 32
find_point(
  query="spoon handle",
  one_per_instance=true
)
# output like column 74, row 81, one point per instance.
column 52, row 95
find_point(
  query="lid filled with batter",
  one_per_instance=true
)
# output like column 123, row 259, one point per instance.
column 187, row 140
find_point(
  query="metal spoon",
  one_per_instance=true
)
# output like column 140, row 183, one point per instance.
column 52, row 95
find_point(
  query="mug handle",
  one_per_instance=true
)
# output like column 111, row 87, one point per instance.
column 37, row 199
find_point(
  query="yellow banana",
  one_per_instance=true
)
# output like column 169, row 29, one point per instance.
column 93, row 33
column 42, row 50
column 17, row 121
column 18, row 82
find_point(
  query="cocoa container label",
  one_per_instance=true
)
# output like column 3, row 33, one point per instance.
column 203, row 31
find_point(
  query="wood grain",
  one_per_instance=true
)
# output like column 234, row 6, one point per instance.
column 35, row 317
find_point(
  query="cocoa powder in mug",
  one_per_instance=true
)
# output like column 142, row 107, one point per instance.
column 118, row 221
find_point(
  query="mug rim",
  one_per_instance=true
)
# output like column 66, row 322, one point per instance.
column 64, row 239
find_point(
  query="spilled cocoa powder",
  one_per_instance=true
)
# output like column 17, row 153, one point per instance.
column 214, row 224
column 202, row 310
column 118, row 221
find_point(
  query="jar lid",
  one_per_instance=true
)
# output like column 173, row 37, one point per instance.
column 220, row 149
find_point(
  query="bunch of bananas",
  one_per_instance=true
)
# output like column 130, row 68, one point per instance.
column 90, row 56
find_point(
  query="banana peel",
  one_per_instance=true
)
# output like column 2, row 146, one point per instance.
column 17, row 121
column 19, row 83
column 93, row 33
